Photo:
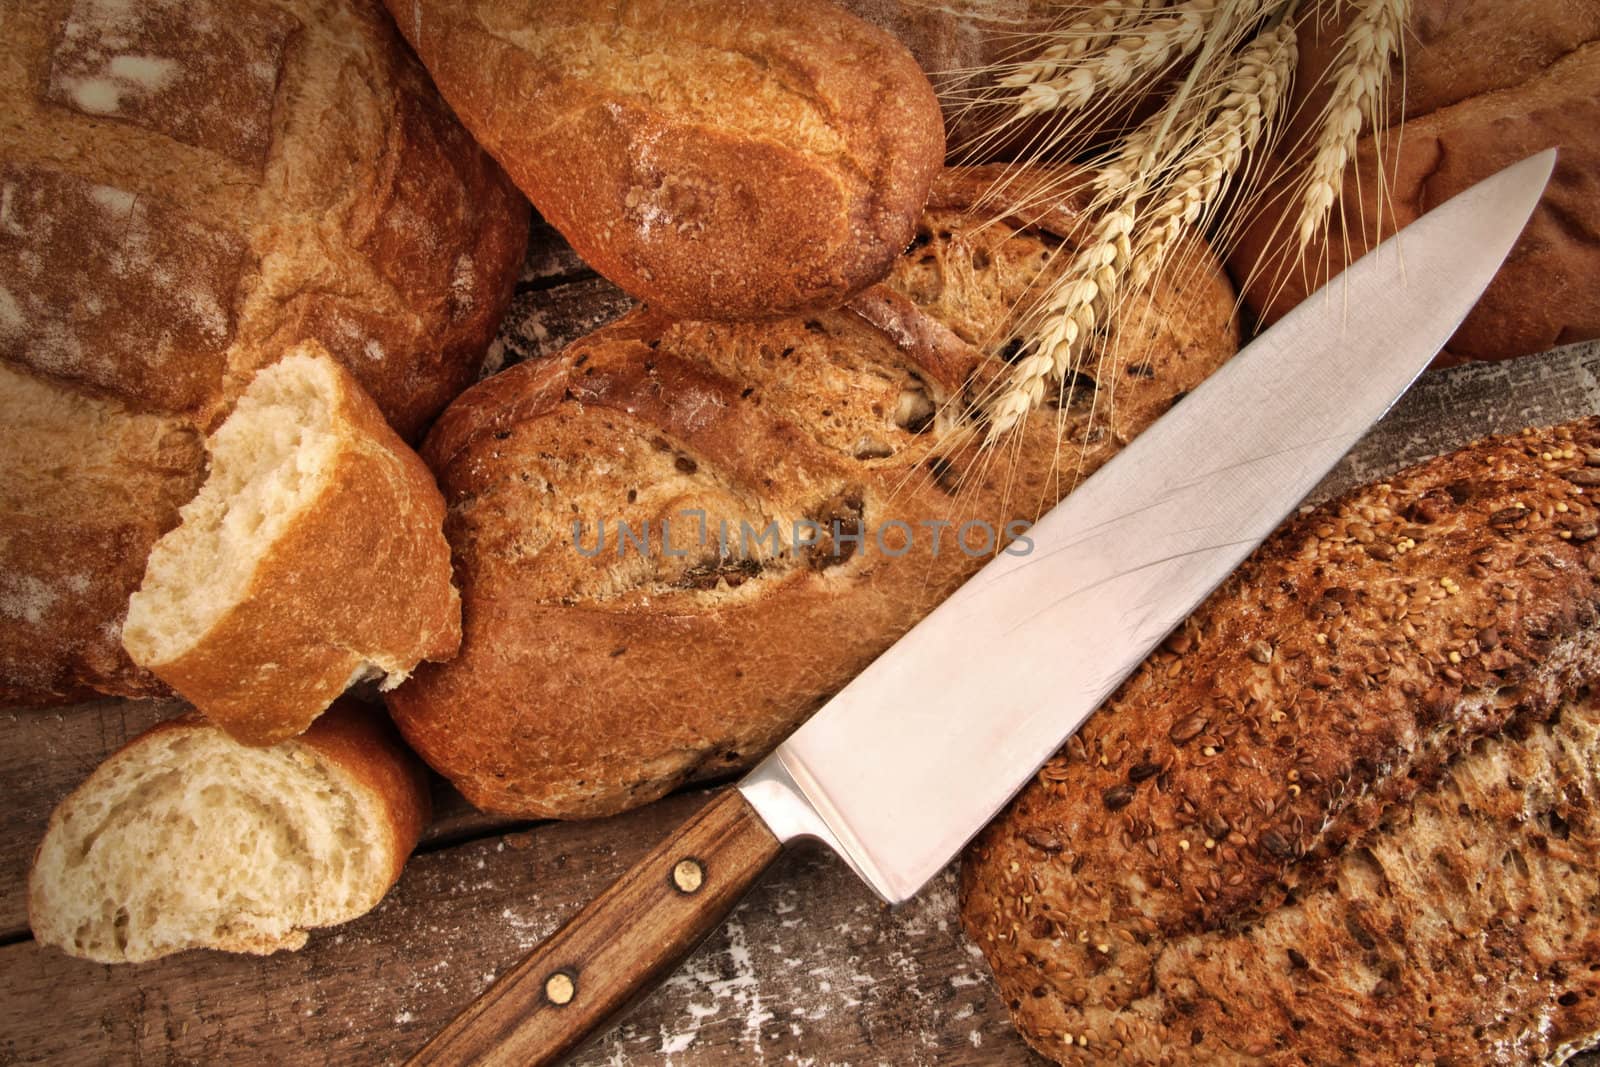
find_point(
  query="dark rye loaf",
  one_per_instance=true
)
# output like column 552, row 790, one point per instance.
column 589, row 685
column 1347, row 813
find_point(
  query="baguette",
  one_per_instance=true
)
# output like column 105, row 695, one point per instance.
column 186, row 839
column 312, row 557
column 188, row 189
column 1347, row 813
column 738, row 161
column 590, row 683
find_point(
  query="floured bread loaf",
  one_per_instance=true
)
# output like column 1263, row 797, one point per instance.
column 312, row 557
column 188, row 189
column 718, row 160
column 186, row 839
column 1348, row 813
column 594, row 681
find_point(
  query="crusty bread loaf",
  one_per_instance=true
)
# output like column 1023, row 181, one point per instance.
column 1486, row 84
column 732, row 161
column 1344, row 815
column 187, row 190
column 87, row 486
column 313, row 556
column 589, row 684
column 186, row 839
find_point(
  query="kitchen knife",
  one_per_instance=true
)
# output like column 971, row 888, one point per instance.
column 926, row 745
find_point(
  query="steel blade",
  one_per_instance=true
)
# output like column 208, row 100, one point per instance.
column 914, row 756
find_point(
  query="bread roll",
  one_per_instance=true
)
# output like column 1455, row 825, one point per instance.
column 1485, row 84
column 186, row 839
column 188, row 190
column 596, row 681
column 1347, row 813
column 720, row 161
column 312, row 557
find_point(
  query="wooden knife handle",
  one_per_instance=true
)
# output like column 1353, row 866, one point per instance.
column 632, row 935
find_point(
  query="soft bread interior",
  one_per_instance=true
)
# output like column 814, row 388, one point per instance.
column 191, row 840
column 269, row 462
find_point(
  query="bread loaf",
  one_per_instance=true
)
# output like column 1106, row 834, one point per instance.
column 188, row 190
column 1485, row 84
column 719, row 161
column 589, row 681
column 1347, row 813
column 186, row 839
column 313, row 556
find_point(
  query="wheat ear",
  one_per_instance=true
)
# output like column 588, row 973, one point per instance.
column 1070, row 41
column 1074, row 308
column 1237, row 112
column 1154, row 46
column 1358, row 80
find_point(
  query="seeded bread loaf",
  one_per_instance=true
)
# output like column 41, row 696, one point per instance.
column 591, row 682
column 312, row 557
column 187, row 190
column 720, row 161
column 1347, row 813
column 186, row 839
column 1486, row 83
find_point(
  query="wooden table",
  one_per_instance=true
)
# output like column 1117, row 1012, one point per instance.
column 812, row 969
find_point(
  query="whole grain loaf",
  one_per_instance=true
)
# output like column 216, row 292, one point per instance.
column 595, row 680
column 720, row 161
column 188, row 190
column 1347, row 812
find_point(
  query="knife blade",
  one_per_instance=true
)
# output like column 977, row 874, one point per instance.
column 906, row 763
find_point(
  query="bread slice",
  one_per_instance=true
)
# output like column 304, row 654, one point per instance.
column 313, row 557
column 187, row 839
column 1348, row 812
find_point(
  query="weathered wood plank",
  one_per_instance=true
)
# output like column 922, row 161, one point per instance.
column 46, row 753
column 811, row 968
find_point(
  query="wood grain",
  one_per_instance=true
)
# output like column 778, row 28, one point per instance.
column 810, row 969
column 633, row 934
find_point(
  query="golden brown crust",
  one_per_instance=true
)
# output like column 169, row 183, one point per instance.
column 361, row 575
column 1129, row 895
column 736, row 163
column 1483, row 91
column 362, row 742
column 588, row 685
column 186, row 192
column 88, row 487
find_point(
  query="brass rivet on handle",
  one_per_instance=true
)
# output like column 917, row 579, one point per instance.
column 688, row 876
column 560, row 988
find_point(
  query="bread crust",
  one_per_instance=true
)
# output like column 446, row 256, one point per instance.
column 1485, row 88
column 1237, row 788
column 359, row 577
column 590, row 685
column 352, row 740
column 258, row 174
column 739, row 162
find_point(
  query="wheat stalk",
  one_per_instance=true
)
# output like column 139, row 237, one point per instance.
column 1075, row 307
column 1220, row 123
column 1071, row 41
column 1238, row 112
column 1153, row 46
column 1358, row 80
